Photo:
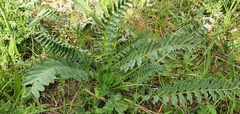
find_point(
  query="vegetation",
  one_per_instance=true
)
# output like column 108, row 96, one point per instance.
column 120, row 56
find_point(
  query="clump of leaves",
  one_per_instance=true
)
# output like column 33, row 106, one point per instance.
column 118, row 65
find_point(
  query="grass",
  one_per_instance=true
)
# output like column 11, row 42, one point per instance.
column 218, row 61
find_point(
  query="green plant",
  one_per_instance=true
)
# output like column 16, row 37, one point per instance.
column 9, row 34
column 119, row 65
column 208, row 109
column 207, row 87
column 15, row 46
column 85, row 7
column 15, row 29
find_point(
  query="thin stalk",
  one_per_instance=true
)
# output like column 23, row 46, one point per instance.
column 5, row 19
column 12, row 48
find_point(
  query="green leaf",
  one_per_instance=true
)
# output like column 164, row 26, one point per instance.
column 220, row 83
column 121, row 106
column 212, row 94
column 226, row 85
column 212, row 109
column 147, row 97
column 189, row 97
column 212, row 84
column 205, row 84
column 181, row 99
column 161, row 90
column 117, row 96
column 237, row 92
column 189, row 86
column 44, row 73
column 205, row 93
column 180, row 111
column 155, row 99
column 168, row 110
column 168, row 43
column 174, row 99
column 165, row 99
column 27, row 93
column 208, row 109
column 61, row 49
column 198, row 85
column 139, row 61
column 37, row 72
column 182, row 87
column 83, row 5
column 99, row 10
column 198, row 95
column 167, row 90
column 45, row 80
column 153, row 56
column 17, row 84
column 228, row 94
column 35, row 92
column 39, row 86
column 175, row 88
column 220, row 93
column 235, row 84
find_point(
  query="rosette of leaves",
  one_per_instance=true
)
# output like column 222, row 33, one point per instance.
column 112, row 62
